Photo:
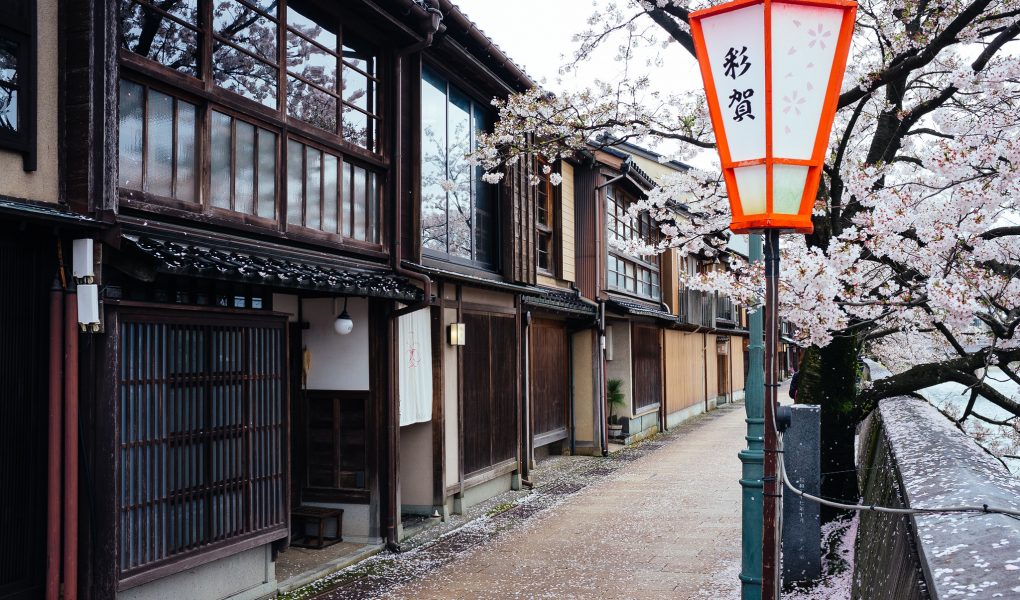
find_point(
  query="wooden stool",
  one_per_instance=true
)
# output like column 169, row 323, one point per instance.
column 303, row 515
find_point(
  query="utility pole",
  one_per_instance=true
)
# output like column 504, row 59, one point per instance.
column 753, row 457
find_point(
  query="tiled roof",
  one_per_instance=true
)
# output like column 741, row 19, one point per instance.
column 265, row 267
column 485, row 282
column 640, row 309
column 561, row 302
column 43, row 211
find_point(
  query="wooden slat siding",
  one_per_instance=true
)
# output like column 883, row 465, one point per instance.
column 647, row 352
column 669, row 277
column 586, row 230
column 550, row 395
column 202, row 421
column 24, row 308
column 568, row 267
column 685, row 368
column 517, row 201
column 505, row 391
column 438, row 412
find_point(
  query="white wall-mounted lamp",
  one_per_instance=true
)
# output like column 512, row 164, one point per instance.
column 457, row 334
column 344, row 324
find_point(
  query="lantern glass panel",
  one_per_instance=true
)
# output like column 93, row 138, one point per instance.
column 751, row 188
column 735, row 41
column 788, row 188
column 804, row 39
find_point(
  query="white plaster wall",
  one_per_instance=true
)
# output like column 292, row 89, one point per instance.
column 339, row 362
column 358, row 525
column 43, row 184
column 244, row 576
column 286, row 303
column 416, row 464
column 620, row 366
column 450, row 405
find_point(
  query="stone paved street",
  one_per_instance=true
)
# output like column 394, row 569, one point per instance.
column 666, row 526
column 661, row 520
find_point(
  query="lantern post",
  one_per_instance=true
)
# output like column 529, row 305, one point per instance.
column 772, row 71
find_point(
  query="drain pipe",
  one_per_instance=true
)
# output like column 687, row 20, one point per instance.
column 528, row 450
column 433, row 22
column 53, row 442
column 71, row 445
column 603, row 393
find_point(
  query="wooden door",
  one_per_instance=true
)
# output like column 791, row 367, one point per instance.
column 24, row 343
column 490, row 391
column 646, row 348
column 550, row 388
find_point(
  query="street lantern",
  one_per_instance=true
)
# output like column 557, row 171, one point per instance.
column 772, row 71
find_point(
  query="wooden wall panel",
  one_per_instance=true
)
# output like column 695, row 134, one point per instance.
column 490, row 391
column 568, row 268
column 517, row 214
column 586, row 229
column 737, row 362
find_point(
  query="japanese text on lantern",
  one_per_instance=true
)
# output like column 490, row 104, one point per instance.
column 735, row 65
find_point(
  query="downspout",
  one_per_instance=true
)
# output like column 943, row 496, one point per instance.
column 53, row 443
column 71, row 445
column 603, row 393
column 528, row 450
column 432, row 24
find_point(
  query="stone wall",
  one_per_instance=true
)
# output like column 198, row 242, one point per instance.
column 910, row 455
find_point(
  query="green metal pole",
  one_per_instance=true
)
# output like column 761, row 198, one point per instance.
column 753, row 457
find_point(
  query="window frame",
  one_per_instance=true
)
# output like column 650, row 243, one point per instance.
column 551, row 229
column 22, row 28
column 208, row 97
column 437, row 257
column 616, row 197
column 336, row 493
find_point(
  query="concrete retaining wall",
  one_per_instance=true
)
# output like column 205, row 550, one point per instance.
column 910, row 455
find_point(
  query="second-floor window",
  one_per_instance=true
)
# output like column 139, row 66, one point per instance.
column 290, row 136
column 458, row 208
column 17, row 76
column 634, row 275
column 545, row 215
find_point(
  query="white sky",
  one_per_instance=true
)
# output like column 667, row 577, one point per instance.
column 538, row 36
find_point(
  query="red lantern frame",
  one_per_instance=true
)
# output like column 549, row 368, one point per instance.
column 801, row 221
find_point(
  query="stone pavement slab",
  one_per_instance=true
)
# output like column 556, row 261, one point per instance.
column 665, row 526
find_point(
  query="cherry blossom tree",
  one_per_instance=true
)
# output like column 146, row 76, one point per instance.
column 915, row 257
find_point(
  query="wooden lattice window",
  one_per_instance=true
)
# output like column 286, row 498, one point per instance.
column 544, row 221
column 202, row 414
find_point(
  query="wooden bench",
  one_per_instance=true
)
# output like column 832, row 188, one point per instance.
column 303, row 516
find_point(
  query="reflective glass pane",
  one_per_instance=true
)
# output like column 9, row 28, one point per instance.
column 330, row 176
column 357, row 55
column 246, row 28
column 372, row 207
column 240, row 73
column 8, row 109
column 356, row 128
column 313, row 187
column 267, row 175
column 485, row 202
column 184, row 187
column 311, row 105
column 359, row 203
column 244, row 168
column 220, row 159
column 8, row 62
column 295, row 181
column 347, row 215
column 357, row 90
column 321, row 33
column 171, row 42
column 311, row 62
column 433, row 162
column 159, row 144
column 130, row 142
column 460, row 173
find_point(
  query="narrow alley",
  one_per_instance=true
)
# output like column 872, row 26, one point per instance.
column 664, row 523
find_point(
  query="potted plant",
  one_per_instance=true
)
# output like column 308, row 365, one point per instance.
column 616, row 400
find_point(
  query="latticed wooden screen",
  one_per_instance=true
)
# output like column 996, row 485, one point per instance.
column 202, row 400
